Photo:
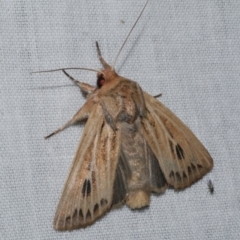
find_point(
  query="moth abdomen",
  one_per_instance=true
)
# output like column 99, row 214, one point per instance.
column 138, row 199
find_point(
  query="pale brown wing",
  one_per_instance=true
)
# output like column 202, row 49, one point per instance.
column 182, row 157
column 88, row 192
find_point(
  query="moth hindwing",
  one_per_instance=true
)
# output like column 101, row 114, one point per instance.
column 132, row 145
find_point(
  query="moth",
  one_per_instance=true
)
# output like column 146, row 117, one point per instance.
column 210, row 186
column 132, row 145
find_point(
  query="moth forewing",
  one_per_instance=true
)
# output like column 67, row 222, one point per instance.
column 88, row 191
column 182, row 157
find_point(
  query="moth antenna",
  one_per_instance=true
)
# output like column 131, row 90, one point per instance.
column 103, row 62
column 114, row 63
column 62, row 69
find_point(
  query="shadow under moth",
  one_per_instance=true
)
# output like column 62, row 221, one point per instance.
column 132, row 145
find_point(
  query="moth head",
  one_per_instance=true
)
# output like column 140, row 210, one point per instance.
column 105, row 76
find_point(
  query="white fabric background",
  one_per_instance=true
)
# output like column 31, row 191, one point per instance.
column 187, row 50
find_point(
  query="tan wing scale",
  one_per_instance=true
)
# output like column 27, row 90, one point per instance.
column 182, row 157
column 88, row 191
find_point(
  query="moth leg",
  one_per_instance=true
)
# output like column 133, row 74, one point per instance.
column 80, row 115
column 158, row 95
column 87, row 88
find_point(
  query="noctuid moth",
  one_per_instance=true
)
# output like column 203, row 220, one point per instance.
column 132, row 145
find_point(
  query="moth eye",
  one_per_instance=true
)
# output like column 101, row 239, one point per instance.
column 100, row 81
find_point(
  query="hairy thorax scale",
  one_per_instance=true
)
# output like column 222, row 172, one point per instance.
column 117, row 97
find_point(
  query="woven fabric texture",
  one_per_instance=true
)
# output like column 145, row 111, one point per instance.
column 187, row 50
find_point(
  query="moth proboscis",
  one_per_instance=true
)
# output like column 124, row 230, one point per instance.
column 132, row 145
